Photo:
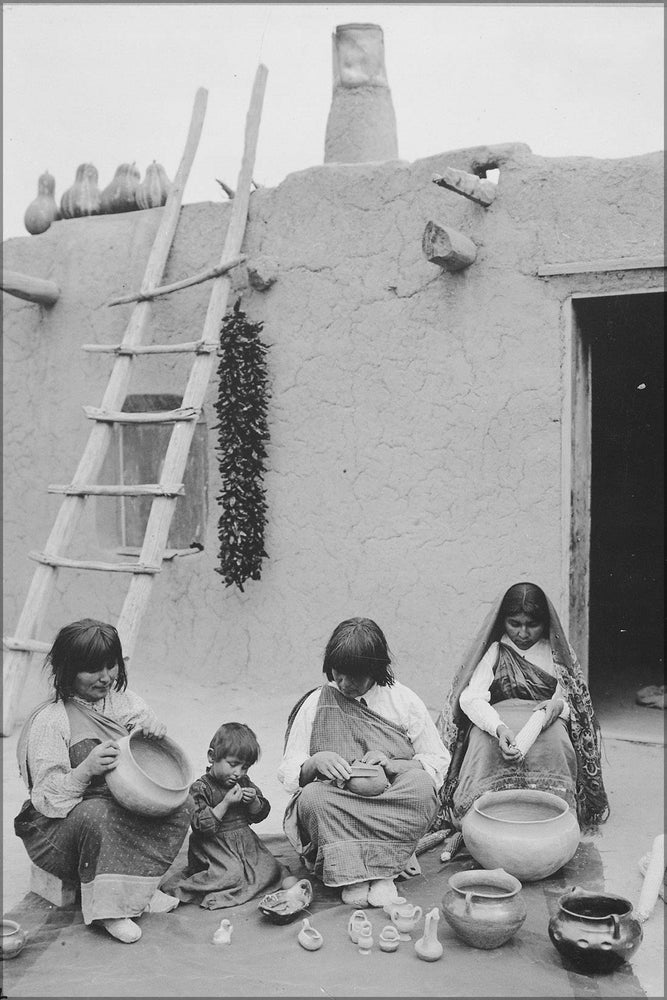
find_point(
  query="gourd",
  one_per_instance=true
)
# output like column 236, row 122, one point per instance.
column 155, row 187
column 119, row 194
column 43, row 210
column 83, row 197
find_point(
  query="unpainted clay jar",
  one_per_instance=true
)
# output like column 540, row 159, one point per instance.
column 484, row 907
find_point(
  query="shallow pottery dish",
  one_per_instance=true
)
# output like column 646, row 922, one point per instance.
column 151, row 777
column 528, row 833
column 285, row 905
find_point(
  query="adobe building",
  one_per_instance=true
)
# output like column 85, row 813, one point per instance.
column 466, row 391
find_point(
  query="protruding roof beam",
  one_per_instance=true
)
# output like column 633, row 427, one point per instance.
column 448, row 248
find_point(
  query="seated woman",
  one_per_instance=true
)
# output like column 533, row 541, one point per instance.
column 519, row 662
column 71, row 826
column 360, row 844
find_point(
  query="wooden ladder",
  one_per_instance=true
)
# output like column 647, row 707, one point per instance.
column 21, row 647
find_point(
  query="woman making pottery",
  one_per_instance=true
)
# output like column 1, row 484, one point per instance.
column 520, row 662
column 70, row 825
column 362, row 713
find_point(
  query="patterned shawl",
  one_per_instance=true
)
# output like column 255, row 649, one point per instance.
column 583, row 726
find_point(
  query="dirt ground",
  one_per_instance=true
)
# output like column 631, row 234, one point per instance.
column 271, row 965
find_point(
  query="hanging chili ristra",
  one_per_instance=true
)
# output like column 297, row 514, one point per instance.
column 242, row 407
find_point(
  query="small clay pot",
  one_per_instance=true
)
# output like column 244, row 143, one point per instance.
column 484, row 907
column 12, row 940
column 367, row 779
column 596, row 932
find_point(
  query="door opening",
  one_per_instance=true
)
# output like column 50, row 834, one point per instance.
column 621, row 342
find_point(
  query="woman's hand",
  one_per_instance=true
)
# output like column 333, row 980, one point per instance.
column 553, row 707
column 375, row 757
column 153, row 730
column 395, row 765
column 330, row 764
column 102, row 758
column 506, row 742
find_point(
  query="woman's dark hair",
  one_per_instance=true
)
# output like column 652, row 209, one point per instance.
column 84, row 646
column 527, row 599
column 358, row 646
column 234, row 739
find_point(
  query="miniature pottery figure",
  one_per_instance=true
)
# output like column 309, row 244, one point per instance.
column 389, row 938
column 428, row 947
column 12, row 940
column 365, row 939
column 223, row 935
column 308, row 937
column 405, row 918
column 357, row 920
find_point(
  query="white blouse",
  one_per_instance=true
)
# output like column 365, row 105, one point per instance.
column 55, row 789
column 474, row 699
column 398, row 704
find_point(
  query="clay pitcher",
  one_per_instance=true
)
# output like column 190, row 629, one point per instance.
column 428, row 947
column 484, row 907
column 595, row 931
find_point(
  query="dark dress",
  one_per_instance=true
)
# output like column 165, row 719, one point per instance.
column 227, row 862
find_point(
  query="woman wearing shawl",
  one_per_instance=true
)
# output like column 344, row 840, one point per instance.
column 70, row 825
column 355, row 843
column 519, row 662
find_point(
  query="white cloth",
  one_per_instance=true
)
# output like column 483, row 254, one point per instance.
column 55, row 789
column 398, row 704
column 474, row 699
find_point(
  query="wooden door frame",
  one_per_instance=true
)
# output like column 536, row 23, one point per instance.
column 576, row 473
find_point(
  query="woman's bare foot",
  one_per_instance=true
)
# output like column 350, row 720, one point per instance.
column 123, row 929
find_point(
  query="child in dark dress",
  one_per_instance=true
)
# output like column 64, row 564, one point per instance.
column 227, row 862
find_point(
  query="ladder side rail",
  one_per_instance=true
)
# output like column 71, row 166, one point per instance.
column 43, row 580
column 162, row 509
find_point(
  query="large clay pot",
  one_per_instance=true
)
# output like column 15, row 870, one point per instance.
column 531, row 834
column 151, row 777
column 595, row 931
column 484, row 907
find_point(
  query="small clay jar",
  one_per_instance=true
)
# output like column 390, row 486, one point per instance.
column 12, row 940
column 484, row 907
column 595, row 931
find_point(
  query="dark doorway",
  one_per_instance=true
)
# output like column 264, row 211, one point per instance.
column 624, row 338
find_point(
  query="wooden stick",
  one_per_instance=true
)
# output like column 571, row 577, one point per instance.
column 102, row 490
column 92, row 459
column 26, row 645
column 188, row 347
column 588, row 266
column 106, row 567
column 476, row 189
column 24, row 286
column 157, row 529
column 154, row 417
column 196, row 279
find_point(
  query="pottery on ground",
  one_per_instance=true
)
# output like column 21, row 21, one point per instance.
column 285, row 905
column 427, row 947
column 404, row 917
column 12, row 940
column 151, row 777
column 595, row 931
column 528, row 833
column 357, row 921
column 309, row 937
column 389, row 938
column 484, row 908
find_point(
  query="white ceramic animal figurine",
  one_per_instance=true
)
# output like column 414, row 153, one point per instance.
column 223, row 935
column 308, row 937
column 365, row 939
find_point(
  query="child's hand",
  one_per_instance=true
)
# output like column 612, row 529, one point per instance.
column 249, row 795
column 235, row 794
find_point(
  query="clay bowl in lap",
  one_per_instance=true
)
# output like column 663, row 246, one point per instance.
column 528, row 833
column 151, row 777
column 367, row 779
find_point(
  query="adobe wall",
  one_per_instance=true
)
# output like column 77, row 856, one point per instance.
column 415, row 455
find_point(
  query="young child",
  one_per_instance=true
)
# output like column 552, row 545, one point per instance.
column 227, row 862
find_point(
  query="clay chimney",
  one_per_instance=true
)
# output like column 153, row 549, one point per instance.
column 362, row 125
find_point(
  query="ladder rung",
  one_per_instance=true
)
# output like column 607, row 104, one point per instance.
column 25, row 645
column 157, row 417
column 106, row 567
column 188, row 347
column 138, row 490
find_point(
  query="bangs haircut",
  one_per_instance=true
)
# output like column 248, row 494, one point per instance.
column 358, row 646
column 234, row 739
column 85, row 646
